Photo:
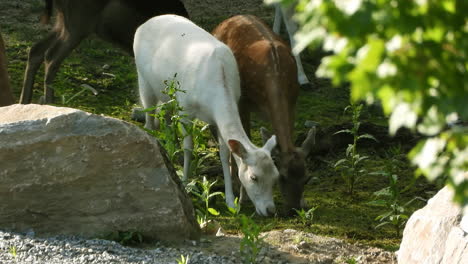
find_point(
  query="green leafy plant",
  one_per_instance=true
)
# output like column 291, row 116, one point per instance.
column 183, row 259
column 200, row 151
column 390, row 198
column 234, row 212
column 306, row 217
column 251, row 242
column 351, row 260
column 173, row 127
column 411, row 57
column 201, row 190
column 350, row 167
column 170, row 129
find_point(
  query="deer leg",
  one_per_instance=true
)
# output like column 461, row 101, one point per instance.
column 224, row 154
column 147, row 100
column 291, row 27
column 277, row 21
column 35, row 59
column 6, row 96
column 53, row 58
column 188, row 149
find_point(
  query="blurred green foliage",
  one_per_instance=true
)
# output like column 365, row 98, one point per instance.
column 409, row 56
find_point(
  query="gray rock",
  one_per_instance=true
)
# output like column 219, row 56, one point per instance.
column 433, row 234
column 65, row 171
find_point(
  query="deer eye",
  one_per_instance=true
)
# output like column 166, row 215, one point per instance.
column 253, row 177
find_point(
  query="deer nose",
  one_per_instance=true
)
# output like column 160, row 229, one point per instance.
column 267, row 210
column 271, row 210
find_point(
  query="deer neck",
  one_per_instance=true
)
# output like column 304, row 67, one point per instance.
column 281, row 113
column 230, row 127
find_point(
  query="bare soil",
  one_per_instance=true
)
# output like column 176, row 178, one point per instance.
column 294, row 246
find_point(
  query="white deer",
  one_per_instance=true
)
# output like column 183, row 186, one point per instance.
column 286, row 12
column 207, row 71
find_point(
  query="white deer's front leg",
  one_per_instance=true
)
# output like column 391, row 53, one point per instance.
column 277, row 21
column 188, row 150
column 224, row 154
column 292, row 27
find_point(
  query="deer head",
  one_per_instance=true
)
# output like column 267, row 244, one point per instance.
column 292, row 171
column 257, row 173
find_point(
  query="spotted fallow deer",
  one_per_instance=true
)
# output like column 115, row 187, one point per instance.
column 6, row 97
column 207, row 71
column 269, row 85
column 112, row 20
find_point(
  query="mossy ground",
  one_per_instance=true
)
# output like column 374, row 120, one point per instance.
column 338, row 214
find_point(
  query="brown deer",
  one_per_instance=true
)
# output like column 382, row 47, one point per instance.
column 112, row 20
column 6, row 97
column 269, row 85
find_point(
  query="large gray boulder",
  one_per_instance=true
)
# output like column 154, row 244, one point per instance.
column 65, row 171
column 437, row 233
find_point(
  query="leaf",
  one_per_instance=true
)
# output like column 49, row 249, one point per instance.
column 383, row 216
column 368, row 136
column 381, row 224
column 213, row 211
column 349, row 149
column 383, row 192
column 362, row 76
column 339, row 163
column 348, row 131
column 359, row 159
column 377, row 203
column 215, row 193
column 414, row 199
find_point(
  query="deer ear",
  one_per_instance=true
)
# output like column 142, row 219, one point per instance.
column 270, row 144
column 309, row 142
column 237, row 148
column 265, row 134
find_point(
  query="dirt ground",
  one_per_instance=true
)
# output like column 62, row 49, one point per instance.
column 283, row 246
column 294, row 246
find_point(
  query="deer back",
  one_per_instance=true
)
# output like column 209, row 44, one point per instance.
column 267, row 71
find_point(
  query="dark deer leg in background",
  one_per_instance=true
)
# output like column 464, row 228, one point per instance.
column 6, row 97
column 35, row 59
column 53, row 58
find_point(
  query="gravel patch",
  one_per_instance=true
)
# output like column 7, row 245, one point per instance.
column 19, row 248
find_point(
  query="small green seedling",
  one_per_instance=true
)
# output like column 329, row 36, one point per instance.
column 390, row 198
column 13, row 251
column 350, row 167
column 251, row 242
column 306, row 217
column 201, row 191
column 183, row 259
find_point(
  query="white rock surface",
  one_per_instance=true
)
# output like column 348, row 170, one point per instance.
column 434, row 234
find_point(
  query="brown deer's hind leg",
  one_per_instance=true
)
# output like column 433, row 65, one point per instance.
column 6, row 97
column 54, row 56
column 35, row 59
